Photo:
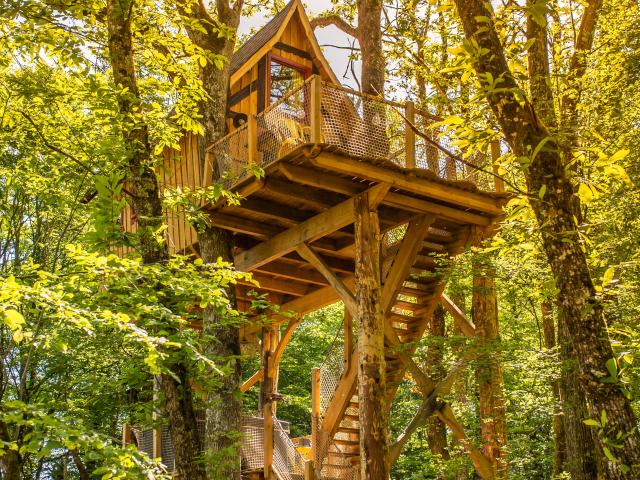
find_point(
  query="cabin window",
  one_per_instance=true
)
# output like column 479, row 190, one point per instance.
column 285, row 76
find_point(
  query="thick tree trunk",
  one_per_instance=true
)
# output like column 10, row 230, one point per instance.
column 370, row 39
column 436, row 430
column 148, row 208
column 224, row 411
column 11, row 465
column 493, row 423
column 581, row 310
column 580, row 456
column 559, row 457
column 371, row 368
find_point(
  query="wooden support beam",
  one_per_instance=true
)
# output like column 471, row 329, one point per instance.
column 348, row 339
column 318, row 262
column 316, row 179
column 316, row 109
column 423, row 206
column 291, row 272
column 267, row 414
column 409, row 134
column 412, row 183
column 307, row 231
column 465, row 325
column 284, row 340
column 252, row 380
column 273, row 285
column 480, row 462
column 403, row 259
column 252, row 139
column 315, row 413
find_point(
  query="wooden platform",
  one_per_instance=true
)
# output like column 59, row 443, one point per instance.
column 307, row 198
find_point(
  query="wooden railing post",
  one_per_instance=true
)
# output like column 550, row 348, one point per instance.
column 316, row 109
column 410, row 135
column 348, row 339
column 309, row 473
column 267, row 412
column 315, row 413
column 156, row 436
column 495, row 155
column 252, row 139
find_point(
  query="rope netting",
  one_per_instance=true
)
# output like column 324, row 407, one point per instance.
column 360, row 125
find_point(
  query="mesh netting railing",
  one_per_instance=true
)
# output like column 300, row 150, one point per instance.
column 359, row 125
column 287, row 461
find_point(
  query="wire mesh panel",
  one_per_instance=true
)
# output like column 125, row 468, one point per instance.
column 362, row 126
column 287, row 461
column 252, row 448
column 284, row 126
column 231, row 154
column 359, row 125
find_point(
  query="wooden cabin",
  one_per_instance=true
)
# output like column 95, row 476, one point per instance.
column 325, row 150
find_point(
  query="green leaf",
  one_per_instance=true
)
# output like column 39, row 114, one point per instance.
column 619, row 155
column 543, row 190
column 603, row 418
column 591, row 422
column 13, row 319
column 612, row 367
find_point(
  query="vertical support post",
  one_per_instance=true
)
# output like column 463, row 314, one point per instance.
column 374, row 428
column 309, row 473
column 498, row 183
column 315, row 412
column 156, row 437
column 252, row 139
column 348, row 339
column 127, row 433
column 410, row 135
column 275, row 369
column 267, row 412
column 316, row 109
column 266, row 398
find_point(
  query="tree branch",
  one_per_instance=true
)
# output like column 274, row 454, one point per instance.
column 51, row 146
column 337, row 21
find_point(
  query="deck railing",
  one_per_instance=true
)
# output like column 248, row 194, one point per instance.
column 288, row 463
column 356, row 124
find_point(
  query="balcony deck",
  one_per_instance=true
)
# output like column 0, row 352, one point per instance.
column 319, row 148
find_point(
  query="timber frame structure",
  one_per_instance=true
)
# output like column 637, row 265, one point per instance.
column 335, row 162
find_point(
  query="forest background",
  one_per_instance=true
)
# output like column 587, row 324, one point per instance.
column 84, row 332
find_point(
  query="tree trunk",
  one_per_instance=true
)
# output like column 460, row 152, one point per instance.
column 224, row 411
column 559, row 457
column 493, row 423
column 580, row 455
column 579, row 307
column 11, row 465
column 370, row 39
column 148, row 208
column 436, row 430
column 371, row 367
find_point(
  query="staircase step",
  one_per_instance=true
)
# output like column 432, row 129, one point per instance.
column 350, row 430
column 346, row 443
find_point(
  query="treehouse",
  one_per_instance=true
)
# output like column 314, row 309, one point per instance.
column 335, row 161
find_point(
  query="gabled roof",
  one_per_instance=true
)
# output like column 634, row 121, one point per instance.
column 254, row 48
column 260, row 39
